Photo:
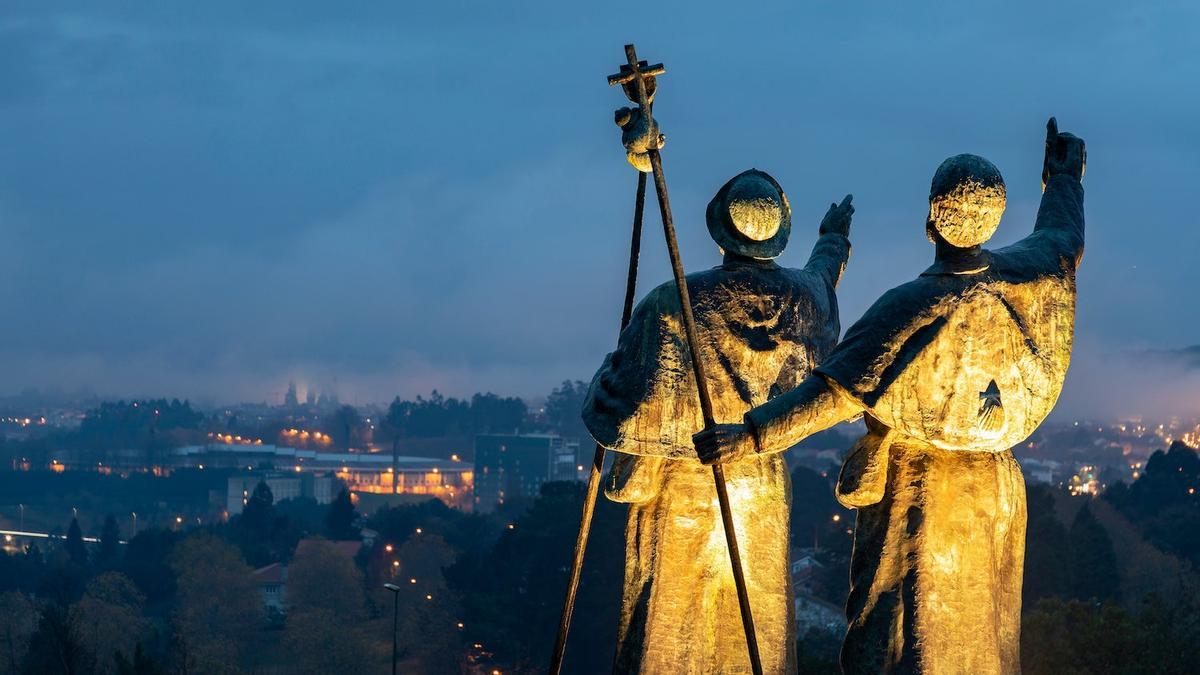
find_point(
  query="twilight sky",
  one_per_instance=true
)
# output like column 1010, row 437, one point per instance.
column 207, row 199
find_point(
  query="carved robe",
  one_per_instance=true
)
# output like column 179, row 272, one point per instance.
column 953, row 369
column 762, row 328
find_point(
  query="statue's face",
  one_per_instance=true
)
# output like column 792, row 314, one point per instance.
column 966, row 200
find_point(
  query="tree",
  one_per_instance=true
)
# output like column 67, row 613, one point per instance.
column 146, row 563
column 326, row 612
column 512, row 592
column 110, row 544
column 1047, row 549
column 75, row 548
column 140, row 664
column 1061, row 637
column 430, row 610
column 341, row 518
column 491, row 413
column 218, row 608
column 109, row 620
column 564, row 408
column 18, row 620
column 55, row 647
column 1094, row 563
column 257, row 529
column 343, row 426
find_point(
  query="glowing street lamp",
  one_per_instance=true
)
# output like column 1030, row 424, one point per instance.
column 395, row 620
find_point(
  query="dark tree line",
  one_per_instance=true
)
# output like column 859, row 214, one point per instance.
column 441, row 416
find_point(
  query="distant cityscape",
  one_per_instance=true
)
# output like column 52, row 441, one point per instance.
column 396, row 488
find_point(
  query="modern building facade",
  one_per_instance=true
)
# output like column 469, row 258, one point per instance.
column 514, row 466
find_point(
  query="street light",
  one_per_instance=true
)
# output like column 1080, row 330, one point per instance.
column 395, row 619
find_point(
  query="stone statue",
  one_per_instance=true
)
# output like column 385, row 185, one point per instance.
column 762, row 328
column 951, row 370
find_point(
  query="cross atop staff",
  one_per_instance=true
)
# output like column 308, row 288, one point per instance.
column 626, row 78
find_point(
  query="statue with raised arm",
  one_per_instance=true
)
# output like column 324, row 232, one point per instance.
column 950, row 370
column 761, row 329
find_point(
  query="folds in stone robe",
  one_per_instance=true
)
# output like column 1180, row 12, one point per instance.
column 762, row 328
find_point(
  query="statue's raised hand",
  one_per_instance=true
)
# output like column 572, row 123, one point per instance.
column 1066, row 154
column 639, row 136
column 837, row 218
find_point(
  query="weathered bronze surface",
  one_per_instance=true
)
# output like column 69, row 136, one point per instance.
column 761, row 329
column 951, row 369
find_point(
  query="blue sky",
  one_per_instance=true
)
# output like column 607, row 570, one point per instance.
column 208, row 199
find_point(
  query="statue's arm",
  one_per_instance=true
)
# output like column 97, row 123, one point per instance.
column 829, row 257
column 1059, row 223
column 786, row 420
column 832, row 250
column 630, row 406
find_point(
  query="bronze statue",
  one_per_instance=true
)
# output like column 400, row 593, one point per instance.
column 761, row 329
column 951, row 370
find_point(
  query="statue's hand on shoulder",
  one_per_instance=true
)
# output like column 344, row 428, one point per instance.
column 837, row 218
column 639, row 136
column 1065, row 154
column 724, row 443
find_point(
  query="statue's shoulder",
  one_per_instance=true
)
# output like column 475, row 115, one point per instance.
column 1047, row 253
column 870, row 346
column 904, row 302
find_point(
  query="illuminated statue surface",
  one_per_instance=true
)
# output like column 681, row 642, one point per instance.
column 762, row 328
column 951, row 370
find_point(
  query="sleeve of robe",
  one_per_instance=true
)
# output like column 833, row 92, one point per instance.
column 1056, row 244
column 633, row 404
column 825, row 265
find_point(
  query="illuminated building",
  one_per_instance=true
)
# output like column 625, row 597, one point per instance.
column 509, row 466
column 321, row 487
column 360, row 472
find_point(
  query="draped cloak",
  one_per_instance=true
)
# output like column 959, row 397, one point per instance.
column 953, row 370
column 761, row 329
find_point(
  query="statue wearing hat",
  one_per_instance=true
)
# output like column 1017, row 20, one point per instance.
column 951, row 370
column 762, row 328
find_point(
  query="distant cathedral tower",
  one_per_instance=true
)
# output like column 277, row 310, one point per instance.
column 289, row 399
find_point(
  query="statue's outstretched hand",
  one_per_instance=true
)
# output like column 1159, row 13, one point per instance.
column 1065, row 154
column 724, row 443
column 837, row 218
column 639, row 136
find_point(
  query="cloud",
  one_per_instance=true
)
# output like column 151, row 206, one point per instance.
column 214, row 198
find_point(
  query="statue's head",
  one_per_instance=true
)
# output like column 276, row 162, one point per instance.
column 966, row 201
column 750, row 216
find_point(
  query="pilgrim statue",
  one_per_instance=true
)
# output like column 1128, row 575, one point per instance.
column 950, row 370
column 762, row 328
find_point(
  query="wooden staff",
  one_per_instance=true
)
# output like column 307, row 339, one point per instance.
column 635, row 75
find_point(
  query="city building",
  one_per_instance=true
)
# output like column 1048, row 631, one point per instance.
column 512, row 466
column 322, row 487
column 361, row 472
column 271, row 581
column 804, row 567
column 819, row 615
